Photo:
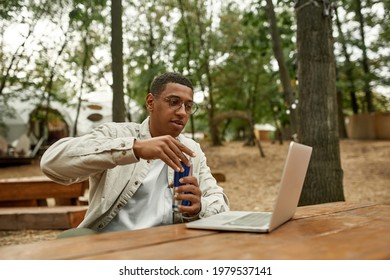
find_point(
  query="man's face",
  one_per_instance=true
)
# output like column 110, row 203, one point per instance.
column 165, row 120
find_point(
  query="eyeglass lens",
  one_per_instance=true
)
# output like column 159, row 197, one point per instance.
column 175, row 103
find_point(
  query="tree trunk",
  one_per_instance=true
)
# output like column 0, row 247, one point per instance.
column 348, row 65
column 205, row 69
column 283, row 69
column 83, row 73
column 341, row 118
column 363, row 47
column 317, row 111
column 189, row 54
column 118, row 102
column 49, row 87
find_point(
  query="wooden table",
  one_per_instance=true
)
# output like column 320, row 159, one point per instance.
column 325, row 231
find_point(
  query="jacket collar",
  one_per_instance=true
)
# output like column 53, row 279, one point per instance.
column 144, row 132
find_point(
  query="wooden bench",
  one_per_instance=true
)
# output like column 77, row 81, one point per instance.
column 24, row 204
column 57, row 217
column 34, row 191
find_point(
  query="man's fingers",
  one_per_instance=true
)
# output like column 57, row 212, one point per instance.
column 166, row 148
column 185, row 149
column 180, row 150
column 189, row 191
column 176, row 152
column 172, row 161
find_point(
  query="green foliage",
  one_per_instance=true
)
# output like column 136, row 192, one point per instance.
column 9, row 7
column 226, row 52
column 376, row 26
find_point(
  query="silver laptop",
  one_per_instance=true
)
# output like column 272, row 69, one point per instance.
column 291, row 184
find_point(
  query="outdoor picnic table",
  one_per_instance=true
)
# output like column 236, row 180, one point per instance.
column 340, row 230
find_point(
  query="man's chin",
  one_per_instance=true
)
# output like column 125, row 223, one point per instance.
column 175, row 134
column 176, row 129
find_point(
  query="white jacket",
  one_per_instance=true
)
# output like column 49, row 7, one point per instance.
column 105, row 157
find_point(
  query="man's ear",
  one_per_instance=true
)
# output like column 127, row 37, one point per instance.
column 150, row 102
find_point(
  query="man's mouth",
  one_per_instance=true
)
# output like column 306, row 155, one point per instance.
column 178, row 122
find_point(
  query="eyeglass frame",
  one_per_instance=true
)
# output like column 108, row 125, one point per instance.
column 193, row 107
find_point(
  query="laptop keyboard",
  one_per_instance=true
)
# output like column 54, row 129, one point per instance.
column 252, row 220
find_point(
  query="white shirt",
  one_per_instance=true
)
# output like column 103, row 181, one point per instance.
column 151, row 204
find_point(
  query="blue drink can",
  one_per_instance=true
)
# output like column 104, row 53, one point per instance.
column 176, row 183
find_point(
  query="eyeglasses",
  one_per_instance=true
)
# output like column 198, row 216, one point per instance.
column 175, row 103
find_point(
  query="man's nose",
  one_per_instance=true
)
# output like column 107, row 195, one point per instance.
column 182, row 109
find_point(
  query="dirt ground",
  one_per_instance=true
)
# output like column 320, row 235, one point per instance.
column 251, row 181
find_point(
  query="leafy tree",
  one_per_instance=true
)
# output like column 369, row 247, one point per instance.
column 348, row 65
column 146, row 45
column 86, row 16
column 225, row 49
column 283, row 69
column 10, row 64
column 365, row 65
column 243, row 42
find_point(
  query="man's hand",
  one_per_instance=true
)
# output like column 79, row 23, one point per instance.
column 189, row 191
column 166, row 148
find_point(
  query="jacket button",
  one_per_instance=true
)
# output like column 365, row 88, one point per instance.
column 122, row 145
column 123, row 152
column 136, row 183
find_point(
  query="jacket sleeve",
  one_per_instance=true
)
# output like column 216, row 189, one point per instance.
column 74, row 159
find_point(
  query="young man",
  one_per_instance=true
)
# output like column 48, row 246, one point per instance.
column 130, row 166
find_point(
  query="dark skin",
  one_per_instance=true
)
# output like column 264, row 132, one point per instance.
column 165, row 125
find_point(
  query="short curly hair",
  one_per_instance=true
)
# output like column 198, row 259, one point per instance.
column 159, row 83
